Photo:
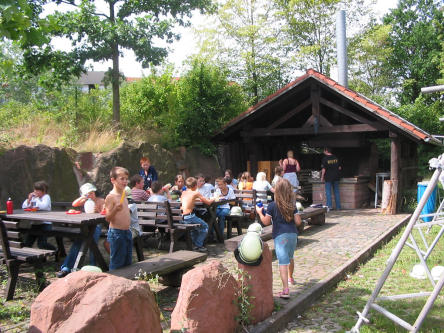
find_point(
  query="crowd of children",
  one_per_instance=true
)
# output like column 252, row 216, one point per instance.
column 121, row 212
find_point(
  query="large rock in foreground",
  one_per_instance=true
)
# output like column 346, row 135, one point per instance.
column 261, row 287
column 206, row 301
column 95, row 302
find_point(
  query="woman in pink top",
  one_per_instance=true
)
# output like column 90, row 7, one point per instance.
column 291, row 166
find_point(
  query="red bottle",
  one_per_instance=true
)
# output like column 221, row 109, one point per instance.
column 9, row 206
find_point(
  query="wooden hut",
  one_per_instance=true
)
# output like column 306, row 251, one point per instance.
column 314, row 111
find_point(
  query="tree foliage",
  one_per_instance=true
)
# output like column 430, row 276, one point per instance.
column 102, row 35
column 368, row 53
column 310, row 29
column 246, row 39
column 414, row 39
column 20, row 21
column 149, row 102
column 206, row 101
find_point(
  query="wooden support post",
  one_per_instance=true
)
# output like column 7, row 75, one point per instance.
column 395, row 154
column 315, row 107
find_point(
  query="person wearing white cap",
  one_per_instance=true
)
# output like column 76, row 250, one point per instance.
column 88, row 195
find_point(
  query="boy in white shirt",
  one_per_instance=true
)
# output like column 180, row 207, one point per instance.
column 41, row 200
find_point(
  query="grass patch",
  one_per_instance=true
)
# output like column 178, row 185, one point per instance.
column 337, row 310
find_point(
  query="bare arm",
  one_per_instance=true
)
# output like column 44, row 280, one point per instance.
column 79, row 201
column 203, row 199
column 297, row 220
column 298, row 167
column 322, row 174
column 265, row 219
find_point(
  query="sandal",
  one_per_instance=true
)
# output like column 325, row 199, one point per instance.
column 284, row 293
column 291, row 281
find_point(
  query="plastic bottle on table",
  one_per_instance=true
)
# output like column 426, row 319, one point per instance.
column 9, row 206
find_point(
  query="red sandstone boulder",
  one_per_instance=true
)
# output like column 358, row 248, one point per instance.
column 206, row 301
column 261, row 287
column 95, row 302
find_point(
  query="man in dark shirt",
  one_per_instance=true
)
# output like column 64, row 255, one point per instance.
column 330, row 175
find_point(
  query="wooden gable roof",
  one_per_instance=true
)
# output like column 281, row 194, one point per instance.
column 314, row 104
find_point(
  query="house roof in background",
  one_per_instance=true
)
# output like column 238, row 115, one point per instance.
column 94, row 77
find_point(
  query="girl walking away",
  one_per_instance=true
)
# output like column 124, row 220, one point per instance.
column 283, row 213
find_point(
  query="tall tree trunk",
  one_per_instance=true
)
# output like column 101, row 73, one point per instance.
column 115, row 73
column 115, row 85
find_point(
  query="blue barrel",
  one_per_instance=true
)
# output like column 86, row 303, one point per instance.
column 430, row 205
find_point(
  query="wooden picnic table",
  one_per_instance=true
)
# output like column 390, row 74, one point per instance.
column 212, row 211
column 81, row 225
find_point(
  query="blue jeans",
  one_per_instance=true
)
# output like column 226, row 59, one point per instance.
column 198, row 234
column 284, row 246
column 70, row 259
column 121, row 244
column 328, row 186
column 221, row 213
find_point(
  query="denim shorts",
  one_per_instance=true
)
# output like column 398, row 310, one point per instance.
column 284, row 246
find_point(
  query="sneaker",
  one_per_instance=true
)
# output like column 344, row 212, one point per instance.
column 202, row 249
column 291, row 281
column 62, row 274
column 284, row 293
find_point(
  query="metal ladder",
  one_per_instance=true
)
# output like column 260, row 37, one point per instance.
column 438, row 164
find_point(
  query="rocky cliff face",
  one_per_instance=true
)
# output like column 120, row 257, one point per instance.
column 21, row 167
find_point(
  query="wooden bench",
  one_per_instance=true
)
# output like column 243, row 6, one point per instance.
column 165, row 217
column 170, row 266
column 314, row 216
column 13, row 254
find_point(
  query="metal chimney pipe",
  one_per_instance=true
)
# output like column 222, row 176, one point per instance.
column 341, row 42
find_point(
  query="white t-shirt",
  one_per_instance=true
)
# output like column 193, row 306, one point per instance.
column 230, row 195
column 206, row 190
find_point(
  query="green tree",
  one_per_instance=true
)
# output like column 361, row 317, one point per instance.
column 99, row 36
column 310, row 28
column 206, row 101
column 368, row 72
column 414, row 39
column 19, row 20
column 148, row 102
column 246, row 39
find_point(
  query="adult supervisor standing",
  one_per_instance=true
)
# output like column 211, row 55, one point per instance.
column 330, row 175
column 291, row 166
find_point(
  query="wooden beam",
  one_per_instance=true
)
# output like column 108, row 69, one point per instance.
column 290, row 114
column 315, row 106
column 324, row 122
column 395, row 155
column 345, row 111
column 309, row 122
column 336, row 143
column 358, row 128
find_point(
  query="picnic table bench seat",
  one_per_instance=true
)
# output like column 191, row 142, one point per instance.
column 13, row 254
column 169, row 266
column 165, row 217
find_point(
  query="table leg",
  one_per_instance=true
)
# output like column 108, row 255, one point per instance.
column 213, row 223
column 88, row 242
